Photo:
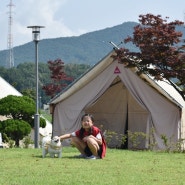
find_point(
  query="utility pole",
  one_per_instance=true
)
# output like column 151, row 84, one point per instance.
column 10, row 56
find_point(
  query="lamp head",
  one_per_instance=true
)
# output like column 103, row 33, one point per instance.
column 35, row 32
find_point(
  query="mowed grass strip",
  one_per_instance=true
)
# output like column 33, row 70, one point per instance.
column 119, row 167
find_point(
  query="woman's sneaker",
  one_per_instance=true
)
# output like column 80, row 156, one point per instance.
column 81, row 156
column 92, row 157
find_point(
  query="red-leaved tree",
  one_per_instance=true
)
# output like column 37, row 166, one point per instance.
column 159, row 53
column 58, row 77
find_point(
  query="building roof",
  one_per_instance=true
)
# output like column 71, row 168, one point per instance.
column 7, row 89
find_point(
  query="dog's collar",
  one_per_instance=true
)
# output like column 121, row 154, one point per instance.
column 56, row 147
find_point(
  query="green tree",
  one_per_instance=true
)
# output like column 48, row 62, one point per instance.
column 75, row 70
column 17, row 107
column 159, row 53
column 29, row 92
column 15, row 129
column 19, row 110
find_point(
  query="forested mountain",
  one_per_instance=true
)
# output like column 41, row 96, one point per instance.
column 85, row 49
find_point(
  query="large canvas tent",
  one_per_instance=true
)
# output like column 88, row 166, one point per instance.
column 120, row 100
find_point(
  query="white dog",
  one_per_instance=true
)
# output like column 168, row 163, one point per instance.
column 52, row 146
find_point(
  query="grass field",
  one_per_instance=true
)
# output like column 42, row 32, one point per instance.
column 119, row 167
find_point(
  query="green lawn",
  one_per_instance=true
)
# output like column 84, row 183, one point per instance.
column 119, row 167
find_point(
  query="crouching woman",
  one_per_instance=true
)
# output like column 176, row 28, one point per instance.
column 88, row 140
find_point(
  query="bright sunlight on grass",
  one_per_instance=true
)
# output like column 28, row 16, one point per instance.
column 119, row 167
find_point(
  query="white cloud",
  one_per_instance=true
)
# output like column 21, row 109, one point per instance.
column 34, row 12
column 74, row 17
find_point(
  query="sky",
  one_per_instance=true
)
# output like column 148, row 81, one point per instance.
column 63, row 18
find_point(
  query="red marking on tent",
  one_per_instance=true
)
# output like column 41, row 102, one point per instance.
column 117, row 71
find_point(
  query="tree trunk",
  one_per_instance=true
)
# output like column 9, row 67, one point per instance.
column 17, row 142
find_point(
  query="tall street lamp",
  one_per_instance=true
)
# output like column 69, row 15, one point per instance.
column 36, row 38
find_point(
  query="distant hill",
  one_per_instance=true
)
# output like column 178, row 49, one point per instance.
column 85, row 49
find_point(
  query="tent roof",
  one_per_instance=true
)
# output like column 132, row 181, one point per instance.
column 83, row 80
column 7, row 89
column 163, row 87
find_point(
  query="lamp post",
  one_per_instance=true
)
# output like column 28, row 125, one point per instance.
column 36, row 38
